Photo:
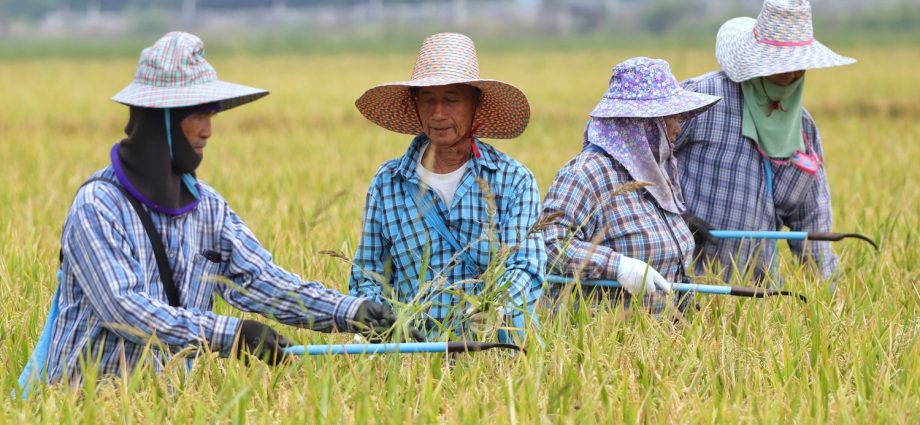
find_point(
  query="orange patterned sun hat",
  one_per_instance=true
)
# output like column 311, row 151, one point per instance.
column 444, row 59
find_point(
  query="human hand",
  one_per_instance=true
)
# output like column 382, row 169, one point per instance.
column 635, row 276
column 374, row 319
column 261, row 341
column 699, row 228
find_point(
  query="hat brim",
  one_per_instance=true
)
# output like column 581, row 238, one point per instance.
column 685, row 103
column 742, row 57
column 229, row 95
column 503, row 110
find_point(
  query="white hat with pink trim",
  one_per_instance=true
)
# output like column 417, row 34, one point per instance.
column 780, row 40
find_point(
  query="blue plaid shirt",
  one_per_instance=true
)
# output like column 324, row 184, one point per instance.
column 723, row 180
column 389, row 259
column 112, row 301
column 595, row 228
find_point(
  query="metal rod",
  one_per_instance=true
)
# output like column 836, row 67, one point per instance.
column 405, row 348
column 738, row 291
column 795, row 236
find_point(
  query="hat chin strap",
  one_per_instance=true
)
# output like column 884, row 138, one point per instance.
column 472, row 135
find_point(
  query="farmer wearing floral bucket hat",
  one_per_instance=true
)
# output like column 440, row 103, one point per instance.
column 447, row 225
column 144, row 241
column 755, row 161
column 602, row 223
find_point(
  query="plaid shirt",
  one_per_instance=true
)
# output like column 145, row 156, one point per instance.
column 722, row 177
column 111, row 298
column 596, row 228
column 389, row 259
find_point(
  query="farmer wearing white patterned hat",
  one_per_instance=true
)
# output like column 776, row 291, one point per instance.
column 144, row 240
column 598, row 230
column 446, row 226
column 755, row 161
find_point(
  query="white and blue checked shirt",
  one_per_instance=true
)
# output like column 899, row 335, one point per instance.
column 389, row 258
column 723, row 180
column 595, row 228
column 112, row 300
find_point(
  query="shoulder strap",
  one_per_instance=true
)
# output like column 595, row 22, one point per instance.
column 434, row 220
column 159, row 251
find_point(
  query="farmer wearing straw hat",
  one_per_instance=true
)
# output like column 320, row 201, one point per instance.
column 755, row 161
column 599, row 227
column 447, row 225
column 113, row 300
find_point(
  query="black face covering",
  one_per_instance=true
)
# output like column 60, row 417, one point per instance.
column 145, row 160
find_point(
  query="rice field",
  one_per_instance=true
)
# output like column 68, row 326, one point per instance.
column 296, row 166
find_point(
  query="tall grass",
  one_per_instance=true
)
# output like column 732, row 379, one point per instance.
column 296, row 166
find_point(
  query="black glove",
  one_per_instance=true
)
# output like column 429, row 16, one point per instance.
column 261, row 341
column 374, row 319
column 699, row 228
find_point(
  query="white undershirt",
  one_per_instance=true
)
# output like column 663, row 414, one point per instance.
column 445, row 185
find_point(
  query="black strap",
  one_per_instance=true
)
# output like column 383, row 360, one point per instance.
column 159, row 252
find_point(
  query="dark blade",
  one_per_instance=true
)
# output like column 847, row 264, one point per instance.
column 743, row 291
column 472, row 346
column 833, row 237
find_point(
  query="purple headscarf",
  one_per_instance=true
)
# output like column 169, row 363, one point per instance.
column 635, row 143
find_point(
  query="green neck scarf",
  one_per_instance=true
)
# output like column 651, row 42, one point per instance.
column 772, row 116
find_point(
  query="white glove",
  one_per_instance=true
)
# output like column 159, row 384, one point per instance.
column 636, row 276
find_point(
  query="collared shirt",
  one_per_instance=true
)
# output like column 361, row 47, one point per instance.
column 723, row 180
column 397, row 245
column 596, row 226
column 112, row 301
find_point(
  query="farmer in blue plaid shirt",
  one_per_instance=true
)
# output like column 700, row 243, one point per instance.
column 111, row 304
column 755, row 161
column 599, row 228
column 447, row 225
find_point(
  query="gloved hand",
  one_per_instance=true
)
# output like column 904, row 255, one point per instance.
column 636, row 276
column 482, row 322
column 699, row 228
column 261, row 341
column 374, row 318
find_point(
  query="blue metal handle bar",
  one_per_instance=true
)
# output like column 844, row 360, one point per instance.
column 739, row 291
column 405, row 347
column 758, row 234
column 682, row 287
column 409, row 347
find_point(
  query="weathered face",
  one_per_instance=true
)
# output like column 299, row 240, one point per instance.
column 672, row 122
column 446, row 112
column 197, row 129
column 785, row 78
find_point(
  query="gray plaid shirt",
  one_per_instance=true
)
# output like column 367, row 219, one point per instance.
column 722, row 177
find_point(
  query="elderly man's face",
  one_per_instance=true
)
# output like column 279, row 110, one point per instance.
column 785, row 78
column 197, row 129
column 446, row 112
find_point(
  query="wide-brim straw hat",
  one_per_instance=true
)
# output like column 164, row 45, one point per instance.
column 445, row 59
column 780, row 40
column 645, row 88
column 173, row 74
